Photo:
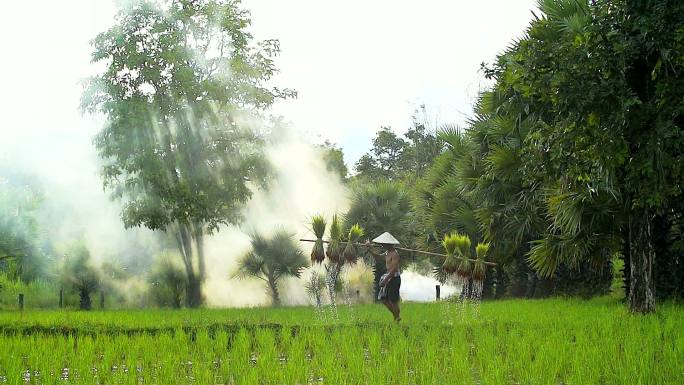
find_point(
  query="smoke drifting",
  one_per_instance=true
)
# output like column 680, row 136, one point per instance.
column 301, row 188
column 75, row 207
column 65, row 168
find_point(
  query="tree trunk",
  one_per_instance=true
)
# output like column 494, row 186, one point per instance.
column 488, row 285
column 199, row 240
column 176, row 299
column 84, row 300
column 194, row 292
column 275, row 296
column 626, row 269
column 193, row 296
column 500, row 284
column 532, row 284
column 641, row 257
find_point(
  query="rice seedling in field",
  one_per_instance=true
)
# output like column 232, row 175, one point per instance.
column 554, row 341
column 350, row 252
column 318, row 227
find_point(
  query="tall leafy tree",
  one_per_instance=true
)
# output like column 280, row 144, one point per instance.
column 333, row 156
column 272, row 259
column 384, row 161
column 579, row 142
column 182, row 82
column 609, row 76
column 395, row 158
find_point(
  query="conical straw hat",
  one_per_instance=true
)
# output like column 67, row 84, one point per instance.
column 387, row 239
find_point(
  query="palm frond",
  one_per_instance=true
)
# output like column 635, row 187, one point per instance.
column 251, row 265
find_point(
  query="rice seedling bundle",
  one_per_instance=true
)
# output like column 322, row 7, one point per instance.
column 350, row 252
column 450, row 244
column 465, row 268
column 479, row 266
column 318, row 226
column 334, row 249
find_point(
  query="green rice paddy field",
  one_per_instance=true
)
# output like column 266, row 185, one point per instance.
column 555, row 341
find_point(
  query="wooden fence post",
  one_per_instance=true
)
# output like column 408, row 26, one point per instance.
column 437, row 288
column 21, row 301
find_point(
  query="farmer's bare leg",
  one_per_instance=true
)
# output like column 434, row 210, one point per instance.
column 388, row 305
column 392, row 307
column 396, row 312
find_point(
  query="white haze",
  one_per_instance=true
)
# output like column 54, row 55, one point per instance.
column 419, row 288
column 303, row 188
column 77, row 208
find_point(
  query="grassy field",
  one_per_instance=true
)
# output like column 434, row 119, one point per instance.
column 553, row 341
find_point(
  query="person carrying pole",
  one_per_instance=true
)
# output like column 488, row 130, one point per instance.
column 390, row 282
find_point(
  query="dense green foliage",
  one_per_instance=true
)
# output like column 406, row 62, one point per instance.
column 507, row 342
column 575, row 152
column 611, row 142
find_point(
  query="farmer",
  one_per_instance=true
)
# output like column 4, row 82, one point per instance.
column 391, row 281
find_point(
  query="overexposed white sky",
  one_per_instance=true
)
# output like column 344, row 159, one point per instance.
column 357, row 65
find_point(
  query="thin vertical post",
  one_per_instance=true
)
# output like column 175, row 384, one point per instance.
column 102, row 299
column 437, row 289
column 21, row 301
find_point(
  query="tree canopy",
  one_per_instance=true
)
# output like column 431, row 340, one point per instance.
column 182, row 84
column 395, row 158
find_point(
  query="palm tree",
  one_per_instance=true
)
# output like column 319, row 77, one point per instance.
column 475, row 186
column 80, row 275
column 379, row 207
column 271, row 259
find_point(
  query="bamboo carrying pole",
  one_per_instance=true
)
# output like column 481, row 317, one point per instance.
column 405, row 249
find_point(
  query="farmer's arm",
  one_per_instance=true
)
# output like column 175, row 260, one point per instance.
column 369, row 246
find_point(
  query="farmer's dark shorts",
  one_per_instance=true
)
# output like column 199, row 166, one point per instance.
column 393, row 289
